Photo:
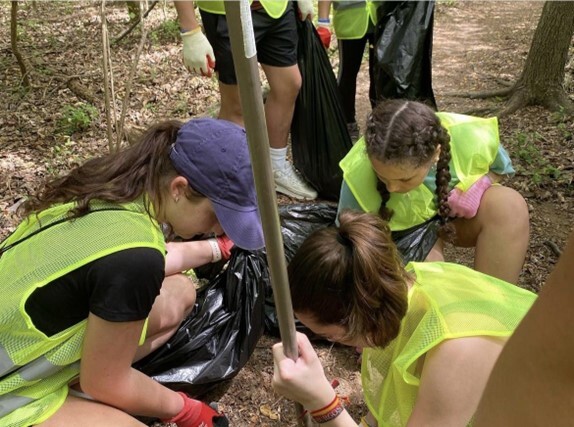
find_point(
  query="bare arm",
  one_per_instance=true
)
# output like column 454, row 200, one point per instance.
column 304, row 380
column 453, row 378
column 106, row 373
column 532, row 383
column 324, row 9
column 186, row 14
column 182, row 256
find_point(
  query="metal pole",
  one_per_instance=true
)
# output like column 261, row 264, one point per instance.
column 242, row 39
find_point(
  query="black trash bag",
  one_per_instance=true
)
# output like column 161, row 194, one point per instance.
column 415, row 243
column 219, row 336
column 319, row 135
column 403, row 48
column 298, row 221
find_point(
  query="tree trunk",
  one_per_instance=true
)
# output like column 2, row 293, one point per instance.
column 541, row 81
column 14, row 43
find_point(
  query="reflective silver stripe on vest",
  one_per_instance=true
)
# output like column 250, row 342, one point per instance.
column 11, row 402
column 39, row 369
column 6, row 363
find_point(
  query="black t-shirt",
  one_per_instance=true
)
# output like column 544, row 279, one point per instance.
column 119, row 287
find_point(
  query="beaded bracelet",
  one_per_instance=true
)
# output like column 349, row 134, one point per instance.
column 329, row 412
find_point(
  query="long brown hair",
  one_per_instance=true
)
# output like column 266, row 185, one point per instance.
column 143, row 168
column 409, row 132
column 352, row 276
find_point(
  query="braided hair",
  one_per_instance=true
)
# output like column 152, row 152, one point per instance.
column 409, row 132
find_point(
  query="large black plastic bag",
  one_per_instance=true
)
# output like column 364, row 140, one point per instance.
column 298, row 221
column 219, row 336
column 415, row 243
column 403, row 47
column 319, row 136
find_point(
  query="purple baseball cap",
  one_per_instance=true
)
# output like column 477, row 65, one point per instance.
column 212, row 155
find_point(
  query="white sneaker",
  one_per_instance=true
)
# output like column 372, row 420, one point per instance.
column 289, row 182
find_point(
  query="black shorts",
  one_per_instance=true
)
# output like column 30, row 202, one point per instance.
column 275, row 39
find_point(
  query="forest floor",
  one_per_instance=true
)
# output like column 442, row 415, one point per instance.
column 60, row 122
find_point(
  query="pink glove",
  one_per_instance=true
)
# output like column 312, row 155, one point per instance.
column 225, row 245
column 197, row 414
column 465, row 204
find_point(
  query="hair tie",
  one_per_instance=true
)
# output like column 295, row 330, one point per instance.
column 344, row 240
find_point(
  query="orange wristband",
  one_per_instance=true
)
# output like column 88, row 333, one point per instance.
column 328, row 412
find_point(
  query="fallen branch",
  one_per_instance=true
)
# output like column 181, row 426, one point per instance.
column 553, row 247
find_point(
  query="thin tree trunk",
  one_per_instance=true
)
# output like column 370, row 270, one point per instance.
column 14, row 43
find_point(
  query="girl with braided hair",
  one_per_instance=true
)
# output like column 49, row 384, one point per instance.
column 415, row 165
column 431, row 331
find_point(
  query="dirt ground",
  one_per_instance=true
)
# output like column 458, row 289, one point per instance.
column 477, row 46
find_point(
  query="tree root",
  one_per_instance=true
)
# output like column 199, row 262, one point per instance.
column 482, row 95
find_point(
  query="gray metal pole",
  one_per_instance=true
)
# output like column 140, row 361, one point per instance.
column 240, row 25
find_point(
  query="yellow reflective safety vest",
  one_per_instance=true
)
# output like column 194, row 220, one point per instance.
column 274, row 8
column 446, row 301
column 474, row 143
column 35, row 369
column 351, row 19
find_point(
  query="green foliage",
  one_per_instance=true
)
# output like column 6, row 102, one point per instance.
column 167, row 32
column 76, row 118
column 531, row 161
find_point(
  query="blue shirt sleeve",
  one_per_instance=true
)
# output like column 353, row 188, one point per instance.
column 346, row 201
column 502, row 164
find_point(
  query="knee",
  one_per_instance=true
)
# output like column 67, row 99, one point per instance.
column 182, row 297
column 286, row 89
column 506, row 209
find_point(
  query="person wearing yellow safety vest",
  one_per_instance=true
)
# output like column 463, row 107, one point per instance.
column 354, row 25
column 87, row 287
column 431, row 331
column 415, row 164
column 275, row 31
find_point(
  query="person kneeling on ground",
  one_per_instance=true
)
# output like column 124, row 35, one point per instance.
column 83, row 276
column 431, row 331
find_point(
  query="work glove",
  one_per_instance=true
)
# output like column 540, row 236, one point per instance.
column 198, row 55
column 197, row 414
column 324, row 31
column 305, row 9
column 465, row 204
column 225, row 245
column 220, row 248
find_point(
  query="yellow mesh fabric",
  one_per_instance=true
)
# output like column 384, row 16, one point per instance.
column 474, row 146
column 447, row 301
column 43, row 366
column 274, row 8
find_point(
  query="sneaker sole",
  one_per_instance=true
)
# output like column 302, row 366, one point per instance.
column 283, row 190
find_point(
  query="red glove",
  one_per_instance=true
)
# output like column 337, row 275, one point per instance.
column 197, row 414
column 325, row 35
column 225, row 245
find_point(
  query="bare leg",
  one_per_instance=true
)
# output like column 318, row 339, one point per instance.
column 230, row 108
column 173, row 304
column 284, row 83
column 437, row 252
column 86, row 413
column 500, row 232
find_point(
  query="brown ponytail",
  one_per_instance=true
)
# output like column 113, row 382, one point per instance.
column 125, row 176
column 352, row 276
